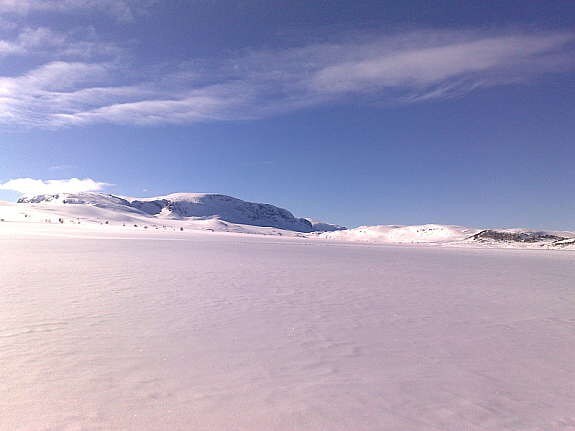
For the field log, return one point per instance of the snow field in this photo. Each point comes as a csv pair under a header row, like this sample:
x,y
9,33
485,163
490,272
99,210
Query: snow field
x,y
208,331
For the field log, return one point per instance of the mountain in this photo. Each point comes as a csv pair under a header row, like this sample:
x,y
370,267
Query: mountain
x,y
179,206
227,208
215,212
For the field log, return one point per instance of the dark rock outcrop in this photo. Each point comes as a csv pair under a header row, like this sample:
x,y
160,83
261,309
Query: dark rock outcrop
x,y
525,237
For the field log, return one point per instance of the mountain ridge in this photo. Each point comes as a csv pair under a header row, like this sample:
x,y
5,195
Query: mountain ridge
x,y
187,205
222,213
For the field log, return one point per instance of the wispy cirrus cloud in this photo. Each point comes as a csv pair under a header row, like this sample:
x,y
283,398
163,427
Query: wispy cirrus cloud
x,y
123,10
43,43
389,68
420,62
30,39
31,186
30,99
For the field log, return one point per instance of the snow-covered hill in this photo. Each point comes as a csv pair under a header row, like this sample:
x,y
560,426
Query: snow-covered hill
x,y
454,235
429,233
178,206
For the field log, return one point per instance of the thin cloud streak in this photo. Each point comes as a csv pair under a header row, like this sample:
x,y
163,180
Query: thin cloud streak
x,y
393,69
122,10
41,43
420,66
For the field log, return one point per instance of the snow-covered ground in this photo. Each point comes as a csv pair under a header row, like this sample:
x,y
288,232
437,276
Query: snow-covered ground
x,y
111,327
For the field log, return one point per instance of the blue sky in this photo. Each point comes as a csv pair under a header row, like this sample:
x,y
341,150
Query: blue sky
x,y
372,112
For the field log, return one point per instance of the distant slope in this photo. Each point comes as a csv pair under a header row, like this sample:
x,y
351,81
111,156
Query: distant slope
x,y
524,238
454,235
516,236
320,226
428,233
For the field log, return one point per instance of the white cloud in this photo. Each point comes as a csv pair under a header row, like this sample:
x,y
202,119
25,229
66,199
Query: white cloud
x,y
390,69
419,64
32,98
30,186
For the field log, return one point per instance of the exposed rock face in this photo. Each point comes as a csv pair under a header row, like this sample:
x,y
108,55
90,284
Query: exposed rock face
x,y
527,237
86,198
89,199
320,226
565,242
151,207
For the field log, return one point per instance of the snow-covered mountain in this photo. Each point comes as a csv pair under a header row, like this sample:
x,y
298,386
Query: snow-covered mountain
x,y
215,212
178,206
227,208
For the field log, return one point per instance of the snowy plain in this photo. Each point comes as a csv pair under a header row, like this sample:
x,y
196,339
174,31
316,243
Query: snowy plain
x,y
110,328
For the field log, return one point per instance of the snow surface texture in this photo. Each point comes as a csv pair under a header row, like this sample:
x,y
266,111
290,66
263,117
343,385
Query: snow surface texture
x,y
105,328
